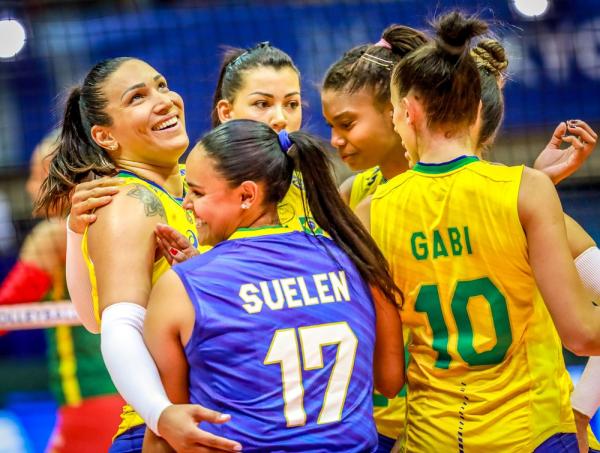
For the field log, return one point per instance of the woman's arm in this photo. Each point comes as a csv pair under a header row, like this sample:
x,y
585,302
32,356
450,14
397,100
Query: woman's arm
x,y
388,363
122,247
559,163
541,215
167,328
86,198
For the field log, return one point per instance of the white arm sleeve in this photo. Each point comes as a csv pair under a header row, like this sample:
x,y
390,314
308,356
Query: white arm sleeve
x,y
588,267
78,282
129,363
586,396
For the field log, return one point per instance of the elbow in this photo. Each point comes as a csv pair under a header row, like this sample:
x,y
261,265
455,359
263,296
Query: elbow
x,y
585,343
390,387
91,328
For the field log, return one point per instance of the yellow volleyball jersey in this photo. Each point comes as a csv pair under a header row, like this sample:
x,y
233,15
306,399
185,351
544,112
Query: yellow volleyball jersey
x,y
486,370
177,217
389,414
293,210
364,184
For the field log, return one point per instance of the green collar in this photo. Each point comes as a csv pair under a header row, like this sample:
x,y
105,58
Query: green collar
x,y
444,167
259,231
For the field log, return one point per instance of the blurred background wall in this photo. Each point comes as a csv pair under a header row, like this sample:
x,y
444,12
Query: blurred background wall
x,y
554,76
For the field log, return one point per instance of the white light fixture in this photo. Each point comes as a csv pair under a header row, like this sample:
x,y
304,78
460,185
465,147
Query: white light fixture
x,y
531,9
12,38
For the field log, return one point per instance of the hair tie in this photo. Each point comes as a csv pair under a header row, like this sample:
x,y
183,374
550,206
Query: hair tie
x,y
383,43
284,140
452,50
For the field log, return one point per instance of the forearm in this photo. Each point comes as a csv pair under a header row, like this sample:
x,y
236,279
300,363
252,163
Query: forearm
x,y
586,396
78,282
588,267
129,363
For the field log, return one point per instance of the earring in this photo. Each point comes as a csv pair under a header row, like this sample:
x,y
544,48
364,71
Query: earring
x,y
245,205
113,147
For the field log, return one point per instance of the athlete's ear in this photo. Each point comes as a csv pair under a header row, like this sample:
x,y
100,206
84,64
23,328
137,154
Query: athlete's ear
x,y
224,110
412,111
103,138
249,194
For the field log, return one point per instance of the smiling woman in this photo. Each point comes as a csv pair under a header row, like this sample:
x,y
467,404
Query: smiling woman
x,y
125,121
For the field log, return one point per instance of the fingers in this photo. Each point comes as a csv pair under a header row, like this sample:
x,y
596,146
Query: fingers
x,y
580,149
173,237
202,414
558,134
583,125
205,439
164,250
586,135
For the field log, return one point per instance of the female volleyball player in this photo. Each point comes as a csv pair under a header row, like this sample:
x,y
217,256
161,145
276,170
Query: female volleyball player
x,y
355,99
271,294
468,269
125,120
236,72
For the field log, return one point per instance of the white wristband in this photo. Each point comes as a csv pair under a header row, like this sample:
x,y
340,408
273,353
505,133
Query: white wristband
x,y
129,363
586,396
588,267
78,282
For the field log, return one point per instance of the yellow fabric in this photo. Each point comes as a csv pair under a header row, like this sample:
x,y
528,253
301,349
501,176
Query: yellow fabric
x,y
178,218
592,441
486,370
389,414
293,210
364,184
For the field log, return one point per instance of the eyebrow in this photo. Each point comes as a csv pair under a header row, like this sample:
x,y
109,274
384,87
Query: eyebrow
x,y
192,185
139,85
261,93
344,113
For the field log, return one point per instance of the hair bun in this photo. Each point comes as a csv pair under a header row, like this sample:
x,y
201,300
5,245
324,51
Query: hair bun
x,y
490,54
454,31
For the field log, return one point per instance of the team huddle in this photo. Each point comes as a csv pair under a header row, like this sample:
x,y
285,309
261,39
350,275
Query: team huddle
x,y
245,302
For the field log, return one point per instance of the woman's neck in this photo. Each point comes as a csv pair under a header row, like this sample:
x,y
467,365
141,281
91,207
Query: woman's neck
x,y
443,147
166,176
394,163
262,217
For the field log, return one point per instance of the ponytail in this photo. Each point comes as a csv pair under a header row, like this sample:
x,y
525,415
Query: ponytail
x,y
370,65
76,154
492,62
443,73
246,150
334,216
230,55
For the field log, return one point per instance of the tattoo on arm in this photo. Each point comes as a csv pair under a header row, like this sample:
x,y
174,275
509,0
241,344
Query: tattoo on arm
x,y
152,205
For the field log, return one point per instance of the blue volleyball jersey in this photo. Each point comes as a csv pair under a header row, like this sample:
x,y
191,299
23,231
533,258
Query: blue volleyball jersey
x,y
283,341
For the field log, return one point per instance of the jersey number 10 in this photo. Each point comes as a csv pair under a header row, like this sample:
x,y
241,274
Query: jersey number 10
x,y
285,352
428,301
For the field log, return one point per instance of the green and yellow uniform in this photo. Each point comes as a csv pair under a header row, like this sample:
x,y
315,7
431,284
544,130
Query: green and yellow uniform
x,y
389,414
176,217
486,370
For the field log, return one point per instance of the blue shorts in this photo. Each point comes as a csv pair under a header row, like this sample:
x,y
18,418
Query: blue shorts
x,y
130,441
385,443
559,443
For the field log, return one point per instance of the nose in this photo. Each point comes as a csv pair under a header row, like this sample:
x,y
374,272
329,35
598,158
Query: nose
x,y
337,141
164,102
278,120
187,202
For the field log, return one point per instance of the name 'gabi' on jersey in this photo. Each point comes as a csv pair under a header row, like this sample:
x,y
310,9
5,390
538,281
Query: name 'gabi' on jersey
x,y
295,292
